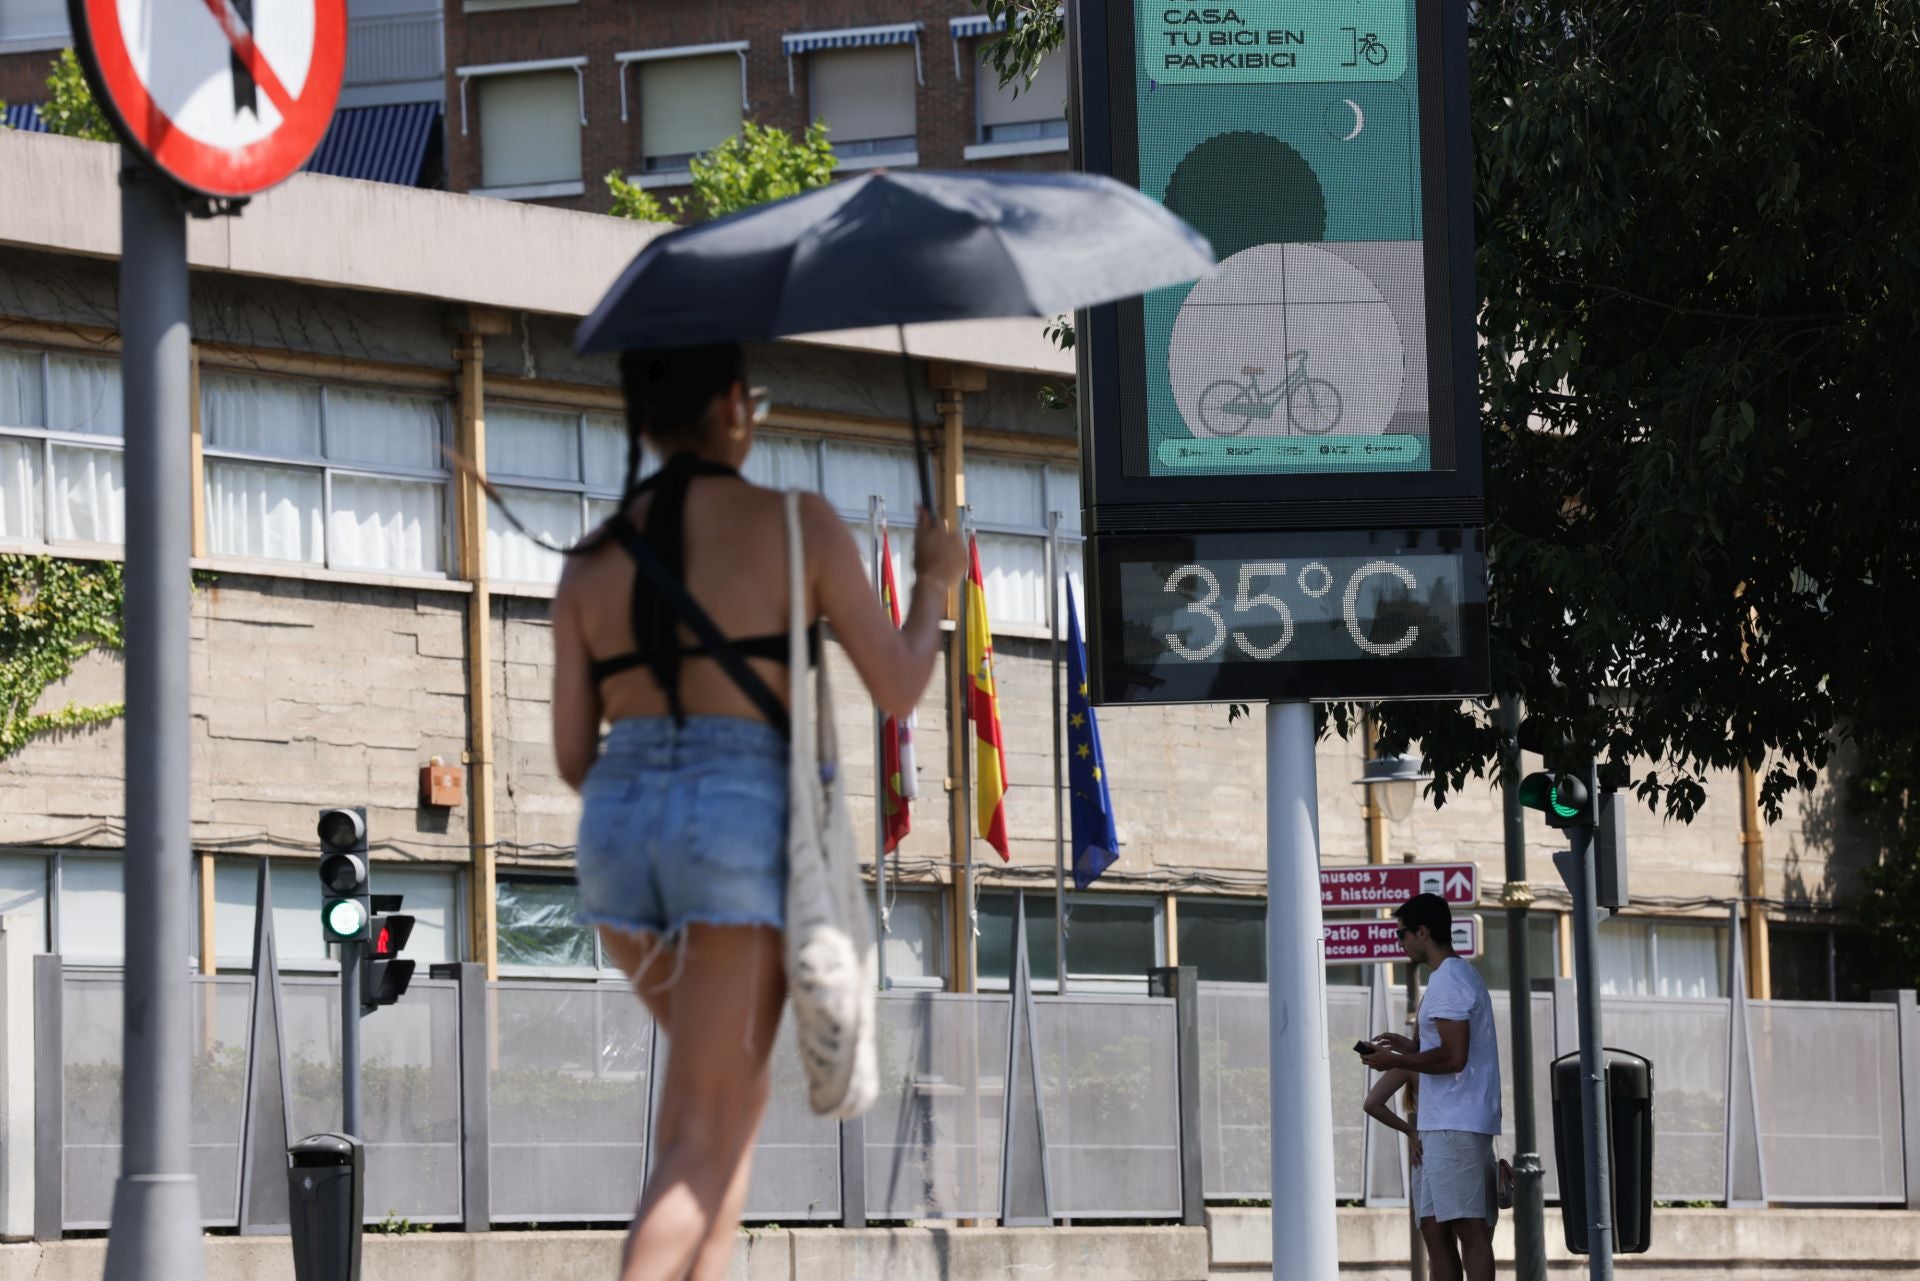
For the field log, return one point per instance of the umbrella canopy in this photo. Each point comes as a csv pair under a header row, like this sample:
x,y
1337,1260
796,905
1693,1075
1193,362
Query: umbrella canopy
x,y
896,249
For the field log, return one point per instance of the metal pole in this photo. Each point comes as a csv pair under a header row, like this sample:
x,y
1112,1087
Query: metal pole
x,y
350,1037
1301,1080
1529,1194
970,907
1059,760
156,1204
882,923
1593,1085
1416,1243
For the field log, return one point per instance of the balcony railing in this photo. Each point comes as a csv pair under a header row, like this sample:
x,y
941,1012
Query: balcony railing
x,y
395,47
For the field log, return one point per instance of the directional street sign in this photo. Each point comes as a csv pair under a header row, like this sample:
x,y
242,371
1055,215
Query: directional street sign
x,y
1392,885
226,97
1361,942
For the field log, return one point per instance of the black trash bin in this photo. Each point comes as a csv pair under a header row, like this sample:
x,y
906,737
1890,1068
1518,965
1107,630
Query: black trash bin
x,y
324,1189
1629,1109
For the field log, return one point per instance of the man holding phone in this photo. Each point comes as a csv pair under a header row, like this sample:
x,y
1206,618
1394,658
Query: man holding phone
x,y
1456,1195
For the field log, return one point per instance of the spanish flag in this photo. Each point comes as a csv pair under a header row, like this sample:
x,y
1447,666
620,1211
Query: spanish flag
x,y
897,771
983,708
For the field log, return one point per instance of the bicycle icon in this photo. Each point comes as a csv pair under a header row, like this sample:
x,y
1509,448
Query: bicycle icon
x,y
1365,45
1229,406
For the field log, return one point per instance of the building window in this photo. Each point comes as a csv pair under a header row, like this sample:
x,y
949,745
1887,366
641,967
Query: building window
x,y
23,894
561,473
916,938
536,925
91,901
688,105
530,117
27,26
851,474
1642,957
867,99
1112,941
1009,501
344,477
1225,939
1819,963
1543,948
1018,113
428,894
62,478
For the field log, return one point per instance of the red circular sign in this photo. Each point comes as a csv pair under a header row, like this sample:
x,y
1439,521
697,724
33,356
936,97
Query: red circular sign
x,y
226,97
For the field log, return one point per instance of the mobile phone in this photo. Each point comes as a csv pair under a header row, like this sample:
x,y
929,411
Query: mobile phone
x,y
1364,1047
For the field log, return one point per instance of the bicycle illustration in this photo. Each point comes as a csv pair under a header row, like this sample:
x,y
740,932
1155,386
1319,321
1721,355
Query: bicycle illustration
x,y
1365,45
1230,406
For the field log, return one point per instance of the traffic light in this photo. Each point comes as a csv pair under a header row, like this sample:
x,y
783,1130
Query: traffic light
x,y
346,908
1563,797
387,975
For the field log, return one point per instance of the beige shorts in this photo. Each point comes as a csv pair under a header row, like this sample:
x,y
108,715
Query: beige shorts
x,y
1457,1177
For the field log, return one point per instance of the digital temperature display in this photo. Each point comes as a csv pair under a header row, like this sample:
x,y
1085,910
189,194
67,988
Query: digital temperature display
x,y
1348,614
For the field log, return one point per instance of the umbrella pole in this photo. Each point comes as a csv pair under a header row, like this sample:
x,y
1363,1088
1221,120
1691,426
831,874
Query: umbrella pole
x,y
920,467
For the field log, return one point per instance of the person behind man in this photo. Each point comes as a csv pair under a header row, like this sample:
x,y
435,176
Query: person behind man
x,y
1456,1196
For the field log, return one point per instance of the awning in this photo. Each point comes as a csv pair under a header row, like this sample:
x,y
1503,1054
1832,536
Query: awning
x,y
853,38
378,144
25,116
978,24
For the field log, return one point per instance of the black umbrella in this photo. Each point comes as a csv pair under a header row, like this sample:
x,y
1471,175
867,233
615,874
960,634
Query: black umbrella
x,y
903,248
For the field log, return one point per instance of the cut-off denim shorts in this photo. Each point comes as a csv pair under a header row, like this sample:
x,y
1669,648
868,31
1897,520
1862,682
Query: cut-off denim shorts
x,y
685,825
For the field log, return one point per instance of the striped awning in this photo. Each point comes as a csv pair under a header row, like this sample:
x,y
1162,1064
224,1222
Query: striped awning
x,y
850,37
378,144
25,116
971,27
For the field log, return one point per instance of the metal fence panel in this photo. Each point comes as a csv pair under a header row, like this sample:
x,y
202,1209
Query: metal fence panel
x,y
1349,1019
91,1058
796,1163
571,1067
933,1134
1686,1041
1827,1079
1233,1093
1110,1091
410,1091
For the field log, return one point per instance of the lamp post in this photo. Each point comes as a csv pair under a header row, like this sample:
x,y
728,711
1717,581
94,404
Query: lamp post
x,y
1390,785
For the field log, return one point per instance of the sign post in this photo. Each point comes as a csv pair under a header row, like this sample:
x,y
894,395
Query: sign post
x,y
1281,462
211,107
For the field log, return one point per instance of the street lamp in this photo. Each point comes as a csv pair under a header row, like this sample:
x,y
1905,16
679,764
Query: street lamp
x,y
1391,783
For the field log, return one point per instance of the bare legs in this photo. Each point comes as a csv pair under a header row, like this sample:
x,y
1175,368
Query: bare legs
x,y
1458,1250
1443,1261
720,1011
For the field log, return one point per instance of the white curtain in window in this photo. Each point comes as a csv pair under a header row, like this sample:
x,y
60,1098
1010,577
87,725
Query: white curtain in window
x,y
1063,496
529,128
260,416
688,105
1690,960
20,490
782,462
1015,570
430,900
914,942
83,395
23,892
21,404
383,429
900,543
1626,958
234,905
270,512
1003,492
534,443
599,510
89,493
863,93
606,453
511,555
386,524
92,906
854,472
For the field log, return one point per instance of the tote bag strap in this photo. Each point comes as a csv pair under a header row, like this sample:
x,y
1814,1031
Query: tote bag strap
x,y
812,722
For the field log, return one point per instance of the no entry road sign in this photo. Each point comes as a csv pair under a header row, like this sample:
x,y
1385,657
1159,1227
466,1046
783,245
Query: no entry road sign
x,y
1390,886
1361,942
225,97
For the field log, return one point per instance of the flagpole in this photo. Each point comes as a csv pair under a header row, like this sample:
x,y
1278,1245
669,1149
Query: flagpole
x,y
970,940
1059,761
875,506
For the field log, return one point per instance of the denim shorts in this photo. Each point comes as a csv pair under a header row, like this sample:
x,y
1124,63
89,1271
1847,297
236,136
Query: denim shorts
x,y
685,825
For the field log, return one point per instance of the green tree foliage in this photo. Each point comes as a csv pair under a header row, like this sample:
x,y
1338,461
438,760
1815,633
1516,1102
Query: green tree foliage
x,y
70,108
756,165
1031,29
52,614
1699,275
1885,799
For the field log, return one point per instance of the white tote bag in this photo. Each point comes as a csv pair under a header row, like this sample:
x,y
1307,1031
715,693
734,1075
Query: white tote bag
x,y
832,967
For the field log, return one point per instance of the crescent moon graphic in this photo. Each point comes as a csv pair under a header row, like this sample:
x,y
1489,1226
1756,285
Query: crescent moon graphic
x,y
1359,120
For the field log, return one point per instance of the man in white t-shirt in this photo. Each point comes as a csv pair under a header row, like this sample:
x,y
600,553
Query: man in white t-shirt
x,y
1455,1186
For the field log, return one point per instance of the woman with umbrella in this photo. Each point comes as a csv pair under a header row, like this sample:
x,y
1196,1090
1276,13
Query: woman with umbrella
x,y
682,848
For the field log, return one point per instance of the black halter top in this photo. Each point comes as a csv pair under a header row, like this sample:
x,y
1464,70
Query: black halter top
x,y
656,628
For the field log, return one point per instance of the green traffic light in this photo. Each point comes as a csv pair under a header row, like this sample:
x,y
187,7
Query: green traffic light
x,y
1560,807
1537,791
345,918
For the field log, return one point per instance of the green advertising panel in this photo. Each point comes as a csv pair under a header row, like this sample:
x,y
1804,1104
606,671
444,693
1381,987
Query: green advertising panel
x,y
1288,133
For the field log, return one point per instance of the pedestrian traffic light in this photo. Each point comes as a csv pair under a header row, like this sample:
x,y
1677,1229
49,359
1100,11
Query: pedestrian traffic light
x,y
1564,798
387,976
345,906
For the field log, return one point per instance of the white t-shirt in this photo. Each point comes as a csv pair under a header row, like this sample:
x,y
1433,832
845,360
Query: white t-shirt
x,y
1470,1098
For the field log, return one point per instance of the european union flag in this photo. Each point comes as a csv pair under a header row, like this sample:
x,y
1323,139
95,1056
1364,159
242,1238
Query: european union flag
x,y
1095,842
